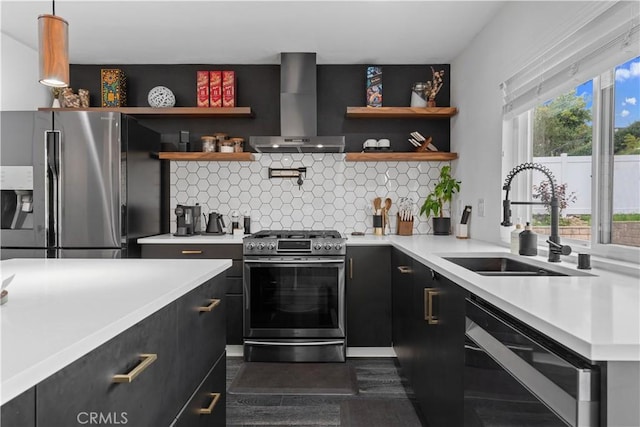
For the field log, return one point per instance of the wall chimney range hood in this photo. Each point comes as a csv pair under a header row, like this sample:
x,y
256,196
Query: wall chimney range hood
x,y
298,111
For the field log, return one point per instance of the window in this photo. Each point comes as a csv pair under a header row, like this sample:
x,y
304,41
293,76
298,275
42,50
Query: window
x,y
625,219
574,108
589,138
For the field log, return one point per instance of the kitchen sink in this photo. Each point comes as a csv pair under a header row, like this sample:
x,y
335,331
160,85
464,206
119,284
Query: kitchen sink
x,y
504,266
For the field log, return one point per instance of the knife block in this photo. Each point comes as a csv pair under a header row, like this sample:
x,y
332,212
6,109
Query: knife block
x,y
405,228
463,231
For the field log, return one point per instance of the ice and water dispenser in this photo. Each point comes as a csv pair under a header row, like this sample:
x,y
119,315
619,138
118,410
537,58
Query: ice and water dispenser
x,y
16,184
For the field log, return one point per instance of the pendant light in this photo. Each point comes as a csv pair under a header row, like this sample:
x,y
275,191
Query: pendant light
x,y
53,46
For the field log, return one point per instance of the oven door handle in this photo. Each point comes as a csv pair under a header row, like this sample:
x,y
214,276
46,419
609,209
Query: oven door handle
x,y
306,343
294,261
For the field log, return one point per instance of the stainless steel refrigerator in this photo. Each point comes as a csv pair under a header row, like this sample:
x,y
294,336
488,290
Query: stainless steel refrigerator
x,y
77,184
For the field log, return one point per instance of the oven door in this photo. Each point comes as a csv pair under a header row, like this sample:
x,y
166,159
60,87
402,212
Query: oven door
x,y
294,297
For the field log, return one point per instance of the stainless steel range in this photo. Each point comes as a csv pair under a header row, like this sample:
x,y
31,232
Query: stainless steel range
x,y
294,296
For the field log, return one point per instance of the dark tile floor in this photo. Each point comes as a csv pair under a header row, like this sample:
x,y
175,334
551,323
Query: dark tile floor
x,y
377,379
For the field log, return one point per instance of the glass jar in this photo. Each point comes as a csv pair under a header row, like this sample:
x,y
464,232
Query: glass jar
x,y
220,138
238,144
226,146
208,144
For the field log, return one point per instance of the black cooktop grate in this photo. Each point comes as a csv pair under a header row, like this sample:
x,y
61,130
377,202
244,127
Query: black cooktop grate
x,y
297,234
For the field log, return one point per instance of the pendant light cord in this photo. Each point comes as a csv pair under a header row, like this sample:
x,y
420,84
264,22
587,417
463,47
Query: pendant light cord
x,y
53,6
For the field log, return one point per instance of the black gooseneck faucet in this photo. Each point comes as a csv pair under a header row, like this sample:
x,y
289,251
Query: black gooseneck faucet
x,y
555,248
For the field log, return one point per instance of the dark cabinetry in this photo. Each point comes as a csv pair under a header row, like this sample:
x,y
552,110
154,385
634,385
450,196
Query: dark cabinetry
x,y
145,376
207,406
147,352
20,411
428,334
368,289
233,275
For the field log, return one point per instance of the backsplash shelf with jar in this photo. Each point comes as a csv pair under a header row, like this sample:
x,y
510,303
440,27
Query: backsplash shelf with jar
x,y
401,112
433,156
201,156
150,112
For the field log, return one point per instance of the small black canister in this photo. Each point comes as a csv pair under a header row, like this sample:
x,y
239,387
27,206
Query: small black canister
x,y
247,224
528,242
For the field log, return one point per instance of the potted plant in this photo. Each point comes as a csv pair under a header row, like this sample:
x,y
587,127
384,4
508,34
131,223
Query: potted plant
x,y
444,190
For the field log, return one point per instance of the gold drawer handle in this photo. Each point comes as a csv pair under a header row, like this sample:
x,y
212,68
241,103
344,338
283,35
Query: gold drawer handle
x,y
209,409
147,360
404,269
191,252
213,304
431,318
350,268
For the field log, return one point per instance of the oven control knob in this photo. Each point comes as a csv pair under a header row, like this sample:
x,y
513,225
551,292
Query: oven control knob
x,y
318,246
250,246
271,246
260,246
328,246
338,246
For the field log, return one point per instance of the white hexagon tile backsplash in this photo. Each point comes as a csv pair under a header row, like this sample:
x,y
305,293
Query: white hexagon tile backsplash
x,y
335,194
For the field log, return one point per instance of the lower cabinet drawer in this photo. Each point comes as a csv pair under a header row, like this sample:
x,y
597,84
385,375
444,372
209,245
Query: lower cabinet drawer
x,y
207,407
88,392
201,333
232,251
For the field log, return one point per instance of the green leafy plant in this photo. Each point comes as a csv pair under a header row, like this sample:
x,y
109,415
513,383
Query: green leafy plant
x,y
444,190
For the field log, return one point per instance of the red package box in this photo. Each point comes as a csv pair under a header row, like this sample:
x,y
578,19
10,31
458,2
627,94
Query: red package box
x,y
215,88
228,89
202,81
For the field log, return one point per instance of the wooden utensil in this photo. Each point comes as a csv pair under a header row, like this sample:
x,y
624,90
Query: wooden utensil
x,y
377,204
387,208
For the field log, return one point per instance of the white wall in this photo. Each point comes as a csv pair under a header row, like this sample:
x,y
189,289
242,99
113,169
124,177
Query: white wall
x,y
518,33
19,87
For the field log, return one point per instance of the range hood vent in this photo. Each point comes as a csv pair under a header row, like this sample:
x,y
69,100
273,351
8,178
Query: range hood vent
x,y
298,111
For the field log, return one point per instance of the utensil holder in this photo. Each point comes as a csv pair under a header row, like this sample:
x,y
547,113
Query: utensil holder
x,y
377,225
405,228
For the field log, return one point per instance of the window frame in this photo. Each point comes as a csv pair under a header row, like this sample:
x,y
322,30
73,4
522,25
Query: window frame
x,y
519,132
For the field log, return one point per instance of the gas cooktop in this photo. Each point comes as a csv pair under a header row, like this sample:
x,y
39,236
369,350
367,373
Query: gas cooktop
x,y
297,234
295,242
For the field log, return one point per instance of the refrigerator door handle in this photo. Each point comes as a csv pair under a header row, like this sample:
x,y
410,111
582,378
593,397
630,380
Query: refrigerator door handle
x,y
52,199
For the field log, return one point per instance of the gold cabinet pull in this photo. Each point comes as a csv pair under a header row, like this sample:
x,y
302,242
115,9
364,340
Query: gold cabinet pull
x,y
213,303
404,269
429,316
191,252
147,360
209,409
350,268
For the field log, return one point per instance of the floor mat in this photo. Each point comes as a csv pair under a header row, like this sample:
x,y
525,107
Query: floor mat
x,y
295,378
378,413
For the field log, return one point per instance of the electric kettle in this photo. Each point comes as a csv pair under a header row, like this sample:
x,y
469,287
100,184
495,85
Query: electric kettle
x,y
215,225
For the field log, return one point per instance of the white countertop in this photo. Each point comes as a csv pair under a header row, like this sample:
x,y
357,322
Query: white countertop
x,y
61,309
598,317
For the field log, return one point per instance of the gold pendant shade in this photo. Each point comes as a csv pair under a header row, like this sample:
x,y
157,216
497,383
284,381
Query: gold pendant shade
x,y
53,40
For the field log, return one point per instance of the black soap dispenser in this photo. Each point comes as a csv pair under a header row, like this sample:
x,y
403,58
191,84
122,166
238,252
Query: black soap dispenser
x,y
528,241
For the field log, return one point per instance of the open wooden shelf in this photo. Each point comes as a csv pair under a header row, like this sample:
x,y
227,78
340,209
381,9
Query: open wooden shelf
x,y
432,156
401,112
173,111
220,157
